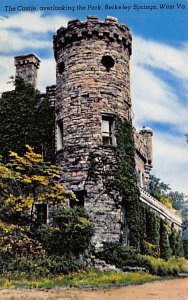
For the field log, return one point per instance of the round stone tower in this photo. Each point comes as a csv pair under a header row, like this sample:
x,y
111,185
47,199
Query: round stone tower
x,y
93,87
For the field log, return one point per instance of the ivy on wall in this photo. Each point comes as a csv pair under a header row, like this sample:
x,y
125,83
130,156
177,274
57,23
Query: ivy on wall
x,y
176,243
147,231
26,118
125,179
165,250
153,227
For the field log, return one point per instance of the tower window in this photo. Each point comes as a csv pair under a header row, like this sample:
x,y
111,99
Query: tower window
x,y
108,137
108,62
61,67
59,135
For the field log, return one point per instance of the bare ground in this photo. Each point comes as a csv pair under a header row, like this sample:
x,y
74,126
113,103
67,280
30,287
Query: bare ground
x,y
176,289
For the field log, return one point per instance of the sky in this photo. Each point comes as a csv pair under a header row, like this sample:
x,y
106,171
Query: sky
x,y
159,64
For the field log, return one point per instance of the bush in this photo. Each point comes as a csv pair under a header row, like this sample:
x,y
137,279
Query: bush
x,y
171,267
70,232
40,267
121,256
150,249
15,243
165,250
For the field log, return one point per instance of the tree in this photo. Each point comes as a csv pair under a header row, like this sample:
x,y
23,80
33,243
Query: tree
x,y
163,193
165,250
71,228
26,118
157,188
27,247
177,199
26,180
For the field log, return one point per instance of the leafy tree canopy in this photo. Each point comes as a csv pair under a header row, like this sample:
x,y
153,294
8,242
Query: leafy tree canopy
x,y
26,180
163,193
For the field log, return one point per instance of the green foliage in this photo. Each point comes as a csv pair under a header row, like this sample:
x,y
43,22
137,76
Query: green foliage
x,y
79,279
42,251
28,252
26,118
150,232
25,180
125,179
162,192
185,248
26,247
122,256
98,278
158,266
40,267
150,249
157,238
14,242
157,188
177,199
70,232
176,243
165,250
153,227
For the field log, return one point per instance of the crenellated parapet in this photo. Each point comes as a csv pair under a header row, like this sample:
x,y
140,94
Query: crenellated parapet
x,y
93,28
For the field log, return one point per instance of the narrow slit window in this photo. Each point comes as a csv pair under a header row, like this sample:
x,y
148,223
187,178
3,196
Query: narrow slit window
x,y
61,67
59,136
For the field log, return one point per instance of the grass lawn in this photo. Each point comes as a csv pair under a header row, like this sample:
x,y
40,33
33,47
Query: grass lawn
x,y
83,279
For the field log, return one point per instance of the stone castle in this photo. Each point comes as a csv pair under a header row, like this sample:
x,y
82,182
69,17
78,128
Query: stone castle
x,y
92,89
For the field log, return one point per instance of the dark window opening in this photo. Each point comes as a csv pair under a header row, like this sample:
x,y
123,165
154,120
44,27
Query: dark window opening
x,y
80,196
107,61
61,67
41,213
107,130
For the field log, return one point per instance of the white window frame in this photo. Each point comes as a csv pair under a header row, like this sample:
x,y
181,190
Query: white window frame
x,y
108,135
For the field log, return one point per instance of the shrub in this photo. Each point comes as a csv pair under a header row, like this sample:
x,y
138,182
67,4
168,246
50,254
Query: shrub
x,y
14,242
40,267
165,250
121,256
70,232
158,266
150,249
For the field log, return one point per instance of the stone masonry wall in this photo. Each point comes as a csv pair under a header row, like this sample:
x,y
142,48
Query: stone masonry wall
x,y
87,90
27,67
143,155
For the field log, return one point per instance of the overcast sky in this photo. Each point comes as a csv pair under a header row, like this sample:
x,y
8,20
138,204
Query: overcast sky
x,y
159,65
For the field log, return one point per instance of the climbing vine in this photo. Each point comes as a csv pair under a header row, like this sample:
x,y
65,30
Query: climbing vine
x,y
150,232
26,118
125,179
146,230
